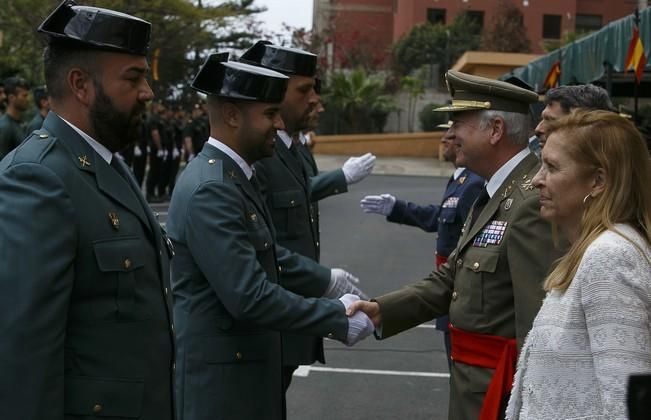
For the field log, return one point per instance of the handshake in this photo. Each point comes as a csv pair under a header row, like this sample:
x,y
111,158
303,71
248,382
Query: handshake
x,y
363,316
360,325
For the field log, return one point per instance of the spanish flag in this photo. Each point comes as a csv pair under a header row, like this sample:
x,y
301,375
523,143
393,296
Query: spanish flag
x,y
554,76
635,58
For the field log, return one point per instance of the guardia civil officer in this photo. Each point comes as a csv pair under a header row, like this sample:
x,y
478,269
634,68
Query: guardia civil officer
x,y
85,308
491,285
234,288
290,182
446,219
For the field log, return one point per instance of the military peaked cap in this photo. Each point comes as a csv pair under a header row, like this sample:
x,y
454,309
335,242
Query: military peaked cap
x,y
96,28
476,93
232,79
289,61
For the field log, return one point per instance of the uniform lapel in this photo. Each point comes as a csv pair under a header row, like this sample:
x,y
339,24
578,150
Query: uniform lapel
x,y
290,161
235,174
86,159
502,193
307,155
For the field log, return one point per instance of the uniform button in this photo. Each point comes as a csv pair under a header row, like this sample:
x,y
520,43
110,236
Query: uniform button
x,y
292,202
475,266
172,327
211,161
459,262
312,219
330,335
166,291
455,295
160,252
317,243
280,268
173,366
266,245
238,355
97,408
127,263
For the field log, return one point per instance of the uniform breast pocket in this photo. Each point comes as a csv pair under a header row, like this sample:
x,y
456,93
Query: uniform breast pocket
x,y
479,267
121,260
288,208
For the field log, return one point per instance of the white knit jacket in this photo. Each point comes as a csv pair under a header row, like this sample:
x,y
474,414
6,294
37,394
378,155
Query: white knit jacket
x,y
585,342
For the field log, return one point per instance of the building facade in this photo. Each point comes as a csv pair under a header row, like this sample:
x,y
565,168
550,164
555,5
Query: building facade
x,y
366,29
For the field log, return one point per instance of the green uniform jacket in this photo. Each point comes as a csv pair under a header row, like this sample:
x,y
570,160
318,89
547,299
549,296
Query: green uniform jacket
x,y
494,289
85,308
291,187
229,306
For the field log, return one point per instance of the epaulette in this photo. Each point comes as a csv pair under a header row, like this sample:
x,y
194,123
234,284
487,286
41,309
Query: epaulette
x,y
34,147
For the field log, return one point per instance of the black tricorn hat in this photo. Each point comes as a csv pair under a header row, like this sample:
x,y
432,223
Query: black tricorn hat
x,y
96,28
235,80
289,61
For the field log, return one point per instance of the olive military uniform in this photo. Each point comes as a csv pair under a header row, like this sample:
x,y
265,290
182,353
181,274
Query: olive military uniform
x,y
492,283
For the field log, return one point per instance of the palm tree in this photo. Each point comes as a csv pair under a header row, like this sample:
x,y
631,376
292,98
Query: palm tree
x,y
359,99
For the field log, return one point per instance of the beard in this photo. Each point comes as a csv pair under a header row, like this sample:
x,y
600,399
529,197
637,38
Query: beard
x,y
113,128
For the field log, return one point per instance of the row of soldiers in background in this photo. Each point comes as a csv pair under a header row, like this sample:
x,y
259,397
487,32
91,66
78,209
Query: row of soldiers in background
x,y
169,135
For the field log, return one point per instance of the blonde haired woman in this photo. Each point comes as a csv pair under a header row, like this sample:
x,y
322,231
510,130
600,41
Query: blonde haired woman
x,y
594,328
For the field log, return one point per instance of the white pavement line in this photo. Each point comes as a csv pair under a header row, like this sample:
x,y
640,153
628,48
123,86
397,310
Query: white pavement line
x,y
302,371
305,372
430,326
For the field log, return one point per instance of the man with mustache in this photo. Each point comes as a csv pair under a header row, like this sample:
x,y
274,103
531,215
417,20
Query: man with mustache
x,y
85,308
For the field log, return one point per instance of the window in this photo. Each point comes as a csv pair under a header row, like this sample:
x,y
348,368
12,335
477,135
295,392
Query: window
x,y
477,17
552,26
588,23
436,16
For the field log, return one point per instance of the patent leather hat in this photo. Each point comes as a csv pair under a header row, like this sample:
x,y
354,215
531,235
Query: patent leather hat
x,y
236,80
285,60
96,28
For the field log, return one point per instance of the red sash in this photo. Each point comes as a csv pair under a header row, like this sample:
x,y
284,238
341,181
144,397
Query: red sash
x,y
440,260
487,351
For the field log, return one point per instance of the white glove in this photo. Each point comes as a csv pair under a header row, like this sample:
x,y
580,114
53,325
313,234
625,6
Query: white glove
x,y
360,326
160,153
357,168
342,282
137,152
175,153
380,204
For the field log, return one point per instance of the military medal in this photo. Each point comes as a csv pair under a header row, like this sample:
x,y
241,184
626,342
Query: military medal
x,y
254,217
462,179
115,220
450,203
491,234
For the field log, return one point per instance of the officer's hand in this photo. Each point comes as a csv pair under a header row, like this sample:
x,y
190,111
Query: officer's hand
x,y
342,282
357,168
359,325
380,204
137,152
160,153
371,309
